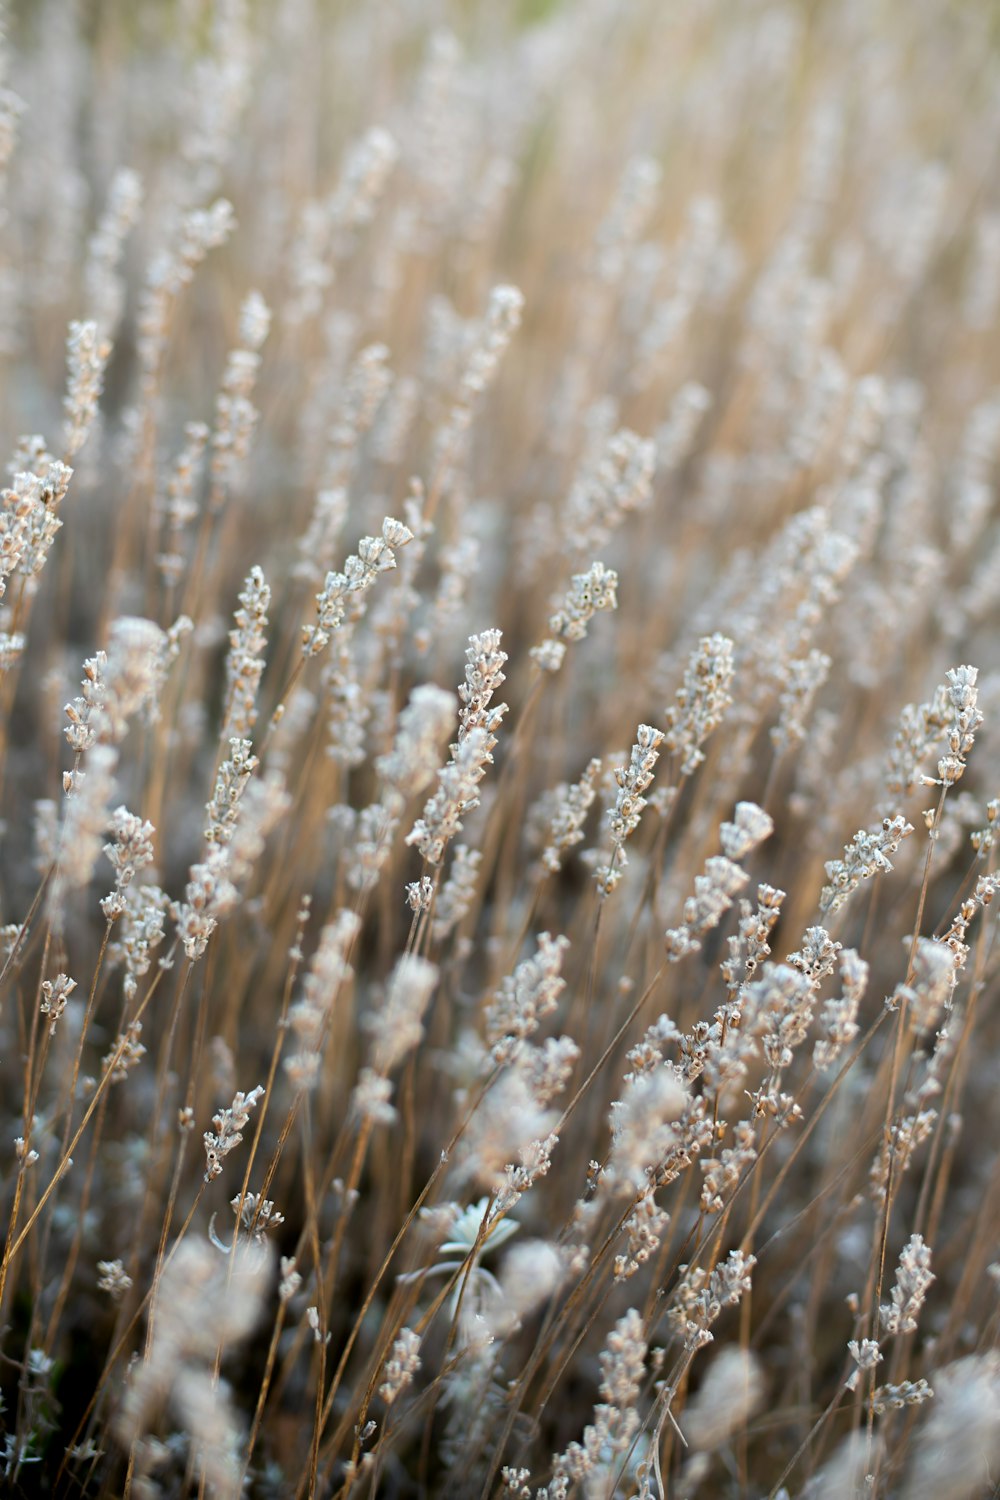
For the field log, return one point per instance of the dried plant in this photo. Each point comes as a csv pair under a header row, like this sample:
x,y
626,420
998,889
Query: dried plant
x,y
499,686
